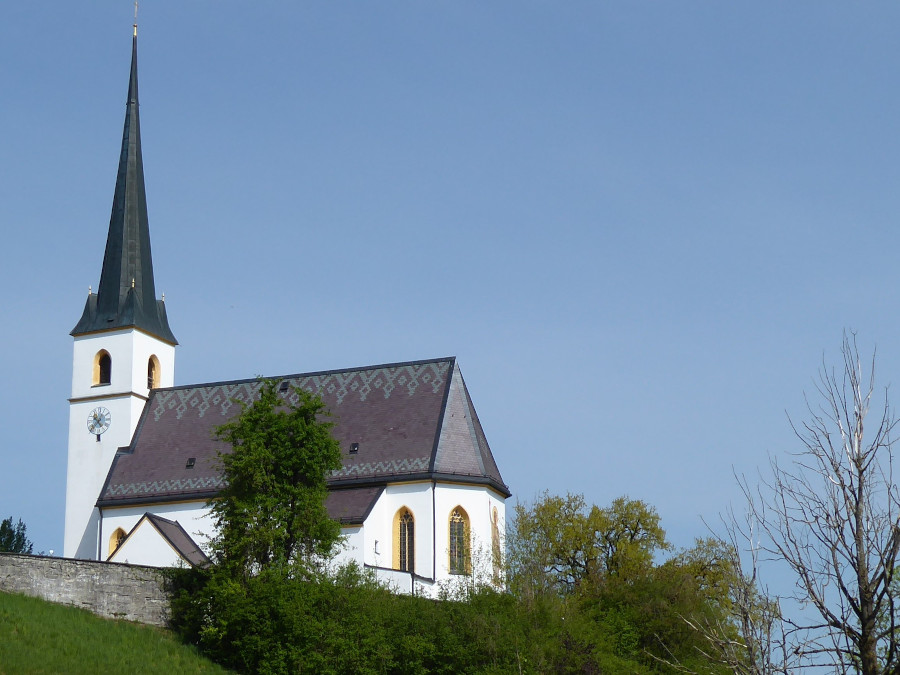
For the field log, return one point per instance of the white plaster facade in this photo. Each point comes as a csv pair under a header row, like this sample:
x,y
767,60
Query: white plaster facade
x,y
145,546
371,545
431,504
194,517
90,456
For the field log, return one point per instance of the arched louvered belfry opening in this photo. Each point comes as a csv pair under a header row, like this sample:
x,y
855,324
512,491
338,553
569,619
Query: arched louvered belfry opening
x,y
102,368
152,372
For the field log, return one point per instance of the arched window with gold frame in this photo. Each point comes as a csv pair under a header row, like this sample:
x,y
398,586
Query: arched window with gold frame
x,y
102,367
152,372
115,539
459,549
404,541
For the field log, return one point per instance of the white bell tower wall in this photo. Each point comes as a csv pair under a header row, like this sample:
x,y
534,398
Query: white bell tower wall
x,y
130,352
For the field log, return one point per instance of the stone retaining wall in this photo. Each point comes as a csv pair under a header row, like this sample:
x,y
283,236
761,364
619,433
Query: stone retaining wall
x,y
111,590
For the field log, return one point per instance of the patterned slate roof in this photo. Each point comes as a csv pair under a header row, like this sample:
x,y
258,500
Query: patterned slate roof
x,y
411,421
350,506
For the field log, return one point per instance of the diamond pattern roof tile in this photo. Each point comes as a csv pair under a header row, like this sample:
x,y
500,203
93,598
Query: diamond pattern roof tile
x,y
396,414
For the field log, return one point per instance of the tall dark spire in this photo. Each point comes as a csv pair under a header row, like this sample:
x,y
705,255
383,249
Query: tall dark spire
x,y
126,296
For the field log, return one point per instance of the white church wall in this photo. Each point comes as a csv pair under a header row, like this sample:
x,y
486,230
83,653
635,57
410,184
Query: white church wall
x,y
194,517
352,547
376,543
432,526
124,397
371,544
401,582
130,351
380,526
88,465
479,503
146,346
146,546
117,343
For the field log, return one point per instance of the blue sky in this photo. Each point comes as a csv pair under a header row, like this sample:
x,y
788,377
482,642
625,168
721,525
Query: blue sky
x,y
641,226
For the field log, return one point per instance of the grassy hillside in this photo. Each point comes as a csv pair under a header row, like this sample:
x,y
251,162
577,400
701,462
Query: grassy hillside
x,y
40,637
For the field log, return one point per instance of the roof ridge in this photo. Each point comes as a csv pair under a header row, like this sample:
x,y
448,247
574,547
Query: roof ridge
x,y
155,516
316,373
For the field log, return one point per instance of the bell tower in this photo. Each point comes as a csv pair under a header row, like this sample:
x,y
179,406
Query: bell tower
x,y
123,344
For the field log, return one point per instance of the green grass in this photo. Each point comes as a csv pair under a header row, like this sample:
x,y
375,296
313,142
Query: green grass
x,y
40,637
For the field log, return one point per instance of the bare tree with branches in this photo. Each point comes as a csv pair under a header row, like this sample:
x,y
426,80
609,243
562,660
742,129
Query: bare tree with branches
x,y
750,638
761,641
833,516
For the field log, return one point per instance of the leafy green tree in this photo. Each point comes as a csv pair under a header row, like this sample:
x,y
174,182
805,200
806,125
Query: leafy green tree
x,y
271,513
345,623
12,537
602,565
559,543
254,608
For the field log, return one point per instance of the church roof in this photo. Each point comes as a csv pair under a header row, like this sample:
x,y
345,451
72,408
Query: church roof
x,y
395,423
351,506
126,296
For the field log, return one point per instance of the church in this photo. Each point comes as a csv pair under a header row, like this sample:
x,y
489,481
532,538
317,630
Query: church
x,y
419,497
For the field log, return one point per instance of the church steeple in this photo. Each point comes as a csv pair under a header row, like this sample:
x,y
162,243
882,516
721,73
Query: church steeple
x,y
126,296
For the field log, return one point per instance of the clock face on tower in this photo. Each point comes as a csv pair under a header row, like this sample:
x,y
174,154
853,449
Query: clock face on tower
x,y
98,421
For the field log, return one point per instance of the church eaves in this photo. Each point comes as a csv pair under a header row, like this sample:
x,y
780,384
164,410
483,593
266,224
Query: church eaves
x,y
126,296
